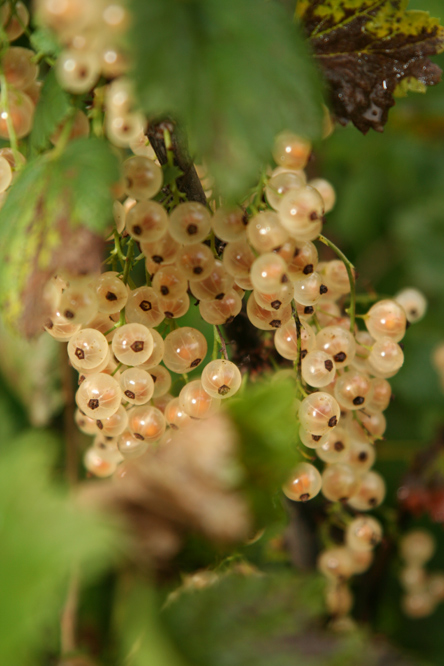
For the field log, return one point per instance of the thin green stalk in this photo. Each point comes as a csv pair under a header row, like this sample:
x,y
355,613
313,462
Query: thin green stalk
x,y
128,261
351,277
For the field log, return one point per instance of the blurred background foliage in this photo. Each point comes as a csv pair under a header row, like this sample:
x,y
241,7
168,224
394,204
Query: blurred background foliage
x,y
389,220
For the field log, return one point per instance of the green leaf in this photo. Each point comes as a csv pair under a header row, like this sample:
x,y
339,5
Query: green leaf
x,y
235,73
54,207
44,537
53,106
366,49
44,41
258,620
265,416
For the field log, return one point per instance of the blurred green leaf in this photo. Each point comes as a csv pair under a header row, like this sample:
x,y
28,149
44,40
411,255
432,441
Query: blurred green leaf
x,y
235,73
44,41
47,222
43,535
52,107
259,620
265,417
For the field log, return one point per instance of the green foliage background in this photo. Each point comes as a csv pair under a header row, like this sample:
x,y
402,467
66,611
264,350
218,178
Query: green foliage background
x,y
389,220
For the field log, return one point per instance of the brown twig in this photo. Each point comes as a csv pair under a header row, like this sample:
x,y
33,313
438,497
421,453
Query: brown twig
x,y
189,183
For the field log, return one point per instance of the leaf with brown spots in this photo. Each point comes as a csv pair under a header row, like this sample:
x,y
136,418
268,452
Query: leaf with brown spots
x,y
51,221
369,48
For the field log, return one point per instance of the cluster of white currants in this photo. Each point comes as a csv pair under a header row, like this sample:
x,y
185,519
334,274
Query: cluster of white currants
x,y
92,35
20,89
422,590
339,563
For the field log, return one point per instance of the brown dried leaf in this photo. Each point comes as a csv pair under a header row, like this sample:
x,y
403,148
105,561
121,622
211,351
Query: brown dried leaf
x,y
366,49
189,484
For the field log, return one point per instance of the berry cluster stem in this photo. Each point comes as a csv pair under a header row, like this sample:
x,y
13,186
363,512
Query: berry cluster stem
x,y
351,277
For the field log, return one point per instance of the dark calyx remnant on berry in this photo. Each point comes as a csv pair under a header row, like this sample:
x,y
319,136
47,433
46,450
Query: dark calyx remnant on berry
x,y
340,357
323,289
137,230
154,378
328,365
304,497
333,421
93,403
304,353
145,306
80,353
138,346
362,456
223,390
157,258
164,290
192,229
129,394
284,279
276,323
359,400
338,446
111,296
219,297
316,438
276,304
68,314
169,315
195,363
308,269
308,310
197,270
99,424
139,436
313,216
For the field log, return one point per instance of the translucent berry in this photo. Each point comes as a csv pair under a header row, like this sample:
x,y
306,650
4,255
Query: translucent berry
x,y
137,386
190,222
132,344
163,251
361,455
223,310
130,446
385,358
229,224
196,402
215,286
114,425
88,349
196,261
162,380
318,412
143,307
99,396
173,308
147,221
363,533
280,184
143,177
414,304
300,212
308,289
265,232
318,368
84,423
158,350
146,423
336,563
304,260
268,272
417,547
339,343
185,349
112,294
175,415
77,71
291,150
370,494
326,190
338,599
286,340
221,379
353,390
267,320
79,303
312,441
304,483
386,319
339,482
336,448
238,259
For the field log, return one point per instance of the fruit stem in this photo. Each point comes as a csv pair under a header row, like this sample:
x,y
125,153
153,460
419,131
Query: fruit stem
x,y
219,340
128,261
351,277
